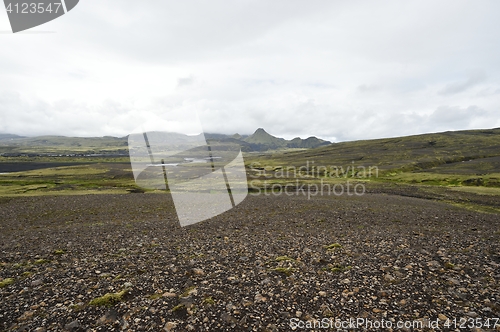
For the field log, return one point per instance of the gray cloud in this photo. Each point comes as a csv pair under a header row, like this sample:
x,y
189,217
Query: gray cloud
x,y
368,88
462,86
338,70
454,116
185,81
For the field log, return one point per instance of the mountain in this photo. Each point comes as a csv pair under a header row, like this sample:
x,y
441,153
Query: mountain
x,y
266,141
11,145
261,137
9,136
63,145
261,140
308,143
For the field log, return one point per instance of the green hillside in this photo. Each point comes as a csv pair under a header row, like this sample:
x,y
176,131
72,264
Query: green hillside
x,y
447,158
262,137
64,145
264,141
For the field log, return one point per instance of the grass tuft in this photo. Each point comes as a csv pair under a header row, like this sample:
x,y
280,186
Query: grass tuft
x,y
6,282
178,307
209,300
333,246
109,299
284,270
283,258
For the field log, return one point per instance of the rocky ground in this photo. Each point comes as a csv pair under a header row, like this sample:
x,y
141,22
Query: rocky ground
x,y
121,262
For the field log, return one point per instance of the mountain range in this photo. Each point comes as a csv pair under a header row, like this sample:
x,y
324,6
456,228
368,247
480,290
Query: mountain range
x,y
260,140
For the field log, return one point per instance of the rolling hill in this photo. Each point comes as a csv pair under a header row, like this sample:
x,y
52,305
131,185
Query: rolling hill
x,y
259,141
448,157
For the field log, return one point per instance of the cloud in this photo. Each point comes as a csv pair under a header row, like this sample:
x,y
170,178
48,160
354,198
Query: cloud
x,y
368,88
450,117
333,69
457,87
185,81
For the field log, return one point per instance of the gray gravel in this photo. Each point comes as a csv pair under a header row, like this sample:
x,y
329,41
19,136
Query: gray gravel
x,y
253,268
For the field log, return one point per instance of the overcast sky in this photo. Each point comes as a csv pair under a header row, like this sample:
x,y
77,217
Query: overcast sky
x,y
339,70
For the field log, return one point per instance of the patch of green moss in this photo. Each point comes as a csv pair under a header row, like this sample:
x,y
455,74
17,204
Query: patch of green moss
x,y
6,282
340,268
109,299
20,265
41,261
285,270
188,291
154,296
333,246
178,307
59,252
449,265
118,277
76,307
209,300
283,258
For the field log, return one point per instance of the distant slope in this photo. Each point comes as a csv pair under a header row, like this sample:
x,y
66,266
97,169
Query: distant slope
x,y
9,136
308,143
267,141
426,152
63,145
259,141
261,137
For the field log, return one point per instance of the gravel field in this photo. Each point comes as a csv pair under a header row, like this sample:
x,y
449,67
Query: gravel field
x,y
122,263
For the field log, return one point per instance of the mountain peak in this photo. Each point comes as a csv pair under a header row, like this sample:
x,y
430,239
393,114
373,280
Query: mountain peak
x,y
260,136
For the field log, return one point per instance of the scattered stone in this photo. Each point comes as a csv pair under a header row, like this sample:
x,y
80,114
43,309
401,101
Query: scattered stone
x,y
228,318
72,326
26,316
36,282
442,317
259,298
110,317
388,277
234,294
471,314
170,326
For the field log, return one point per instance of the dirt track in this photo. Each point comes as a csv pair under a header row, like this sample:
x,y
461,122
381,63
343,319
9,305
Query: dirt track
x,y
255,267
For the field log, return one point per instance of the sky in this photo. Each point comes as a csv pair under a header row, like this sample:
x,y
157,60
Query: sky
x,y
338,70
